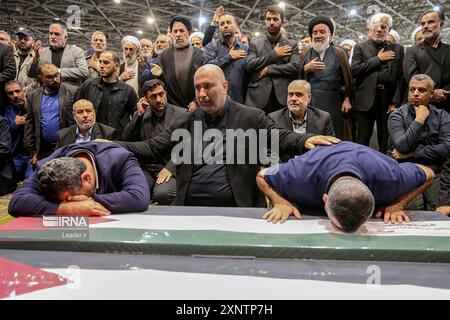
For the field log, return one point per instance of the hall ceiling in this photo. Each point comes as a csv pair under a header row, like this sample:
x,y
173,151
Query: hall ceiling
x,y
128,17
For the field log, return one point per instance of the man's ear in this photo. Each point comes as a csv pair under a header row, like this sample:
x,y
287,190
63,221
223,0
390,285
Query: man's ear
x,y
85,176
325,198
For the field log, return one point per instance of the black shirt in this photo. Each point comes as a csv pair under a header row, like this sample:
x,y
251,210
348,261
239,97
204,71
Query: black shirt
x,y
210,184
57,56
104,107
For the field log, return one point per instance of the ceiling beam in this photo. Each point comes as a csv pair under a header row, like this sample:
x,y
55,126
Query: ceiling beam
x,y
105,17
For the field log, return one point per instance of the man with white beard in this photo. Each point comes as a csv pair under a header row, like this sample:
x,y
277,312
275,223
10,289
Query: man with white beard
x,y
146,50
131,69
327,70
152,69
377,69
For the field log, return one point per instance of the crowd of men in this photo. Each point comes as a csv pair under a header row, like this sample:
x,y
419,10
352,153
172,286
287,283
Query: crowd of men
x,y
302,93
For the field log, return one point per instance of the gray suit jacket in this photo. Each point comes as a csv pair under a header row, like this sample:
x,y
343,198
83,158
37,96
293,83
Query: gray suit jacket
x,y
68,135
281,71
317,122
74,68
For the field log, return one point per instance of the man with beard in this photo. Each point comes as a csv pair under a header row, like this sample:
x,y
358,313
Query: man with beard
x,y
327,70
86,128
272,63
131,69
229,54
24,55
179,63
431,57
146,53
299,116
48,110
15,115
152,69
204,179
377,69
153,116
69,59
114,100
98,43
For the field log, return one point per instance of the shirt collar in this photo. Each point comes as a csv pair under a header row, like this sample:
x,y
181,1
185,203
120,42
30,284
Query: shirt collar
x,y
221,115
88,135
296,121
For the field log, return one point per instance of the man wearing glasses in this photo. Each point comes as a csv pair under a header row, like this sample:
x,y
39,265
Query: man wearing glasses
x,y
49,110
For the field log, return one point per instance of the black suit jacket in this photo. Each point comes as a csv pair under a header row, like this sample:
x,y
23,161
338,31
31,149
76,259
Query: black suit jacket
x,y
68,135
281,71
317,122
32,131
242,176
7,171
140,129
418,60
365,69
7,72
174,93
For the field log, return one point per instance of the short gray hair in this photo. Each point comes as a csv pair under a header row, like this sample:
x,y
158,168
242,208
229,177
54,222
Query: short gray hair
x,y
60,175
351,202
378,16
423,77
301,83
62,26
82,102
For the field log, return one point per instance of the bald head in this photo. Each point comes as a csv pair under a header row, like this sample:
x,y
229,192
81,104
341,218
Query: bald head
x,y
211,89
212,69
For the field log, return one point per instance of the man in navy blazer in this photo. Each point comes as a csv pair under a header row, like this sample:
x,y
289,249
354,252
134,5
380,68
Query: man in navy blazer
x,y
94,178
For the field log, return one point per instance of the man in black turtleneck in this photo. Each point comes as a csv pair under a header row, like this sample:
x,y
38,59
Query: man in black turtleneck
x,y
179,63
431,57
68,58
377,69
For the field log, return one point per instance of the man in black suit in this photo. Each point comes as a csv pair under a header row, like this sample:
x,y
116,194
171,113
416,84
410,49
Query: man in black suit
x,y
377,69
153,116
431,57
7,72
7,172
179,63
85,129
203,177
272,63
299,116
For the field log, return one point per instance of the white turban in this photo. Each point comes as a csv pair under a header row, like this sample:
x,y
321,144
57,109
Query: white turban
x,y
349,42
197,34
133,40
